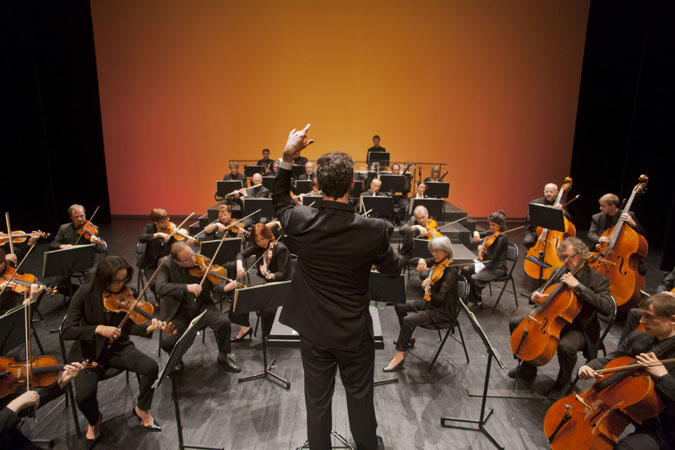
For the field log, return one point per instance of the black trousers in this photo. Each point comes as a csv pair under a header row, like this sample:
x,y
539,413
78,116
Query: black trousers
x,y
214,319
478,281
356,371
640,441
571,343
266,319
410,315
126,358
529,239
632,321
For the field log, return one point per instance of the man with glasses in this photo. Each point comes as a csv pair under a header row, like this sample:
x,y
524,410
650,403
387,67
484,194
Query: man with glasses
x,y
183,299
592,291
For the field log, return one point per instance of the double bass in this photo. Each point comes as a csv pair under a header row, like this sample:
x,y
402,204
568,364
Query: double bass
x,y
619,258
546,248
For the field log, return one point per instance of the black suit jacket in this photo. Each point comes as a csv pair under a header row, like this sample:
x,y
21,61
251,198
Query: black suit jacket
x,y
239,176
600,221
336,247
155,248
68,235
541,201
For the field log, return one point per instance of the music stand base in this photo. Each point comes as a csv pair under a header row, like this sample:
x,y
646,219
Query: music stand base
x,y
179,426
480,426
383,382
267,372
345,443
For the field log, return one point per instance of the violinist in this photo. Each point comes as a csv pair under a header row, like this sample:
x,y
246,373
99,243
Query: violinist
x,y
183,298
21,248
15,406
495,253
234,173
272,264
441,307
658,319
592,290
549,199
10,299
156,238
100,338
265,162
215,229
417,226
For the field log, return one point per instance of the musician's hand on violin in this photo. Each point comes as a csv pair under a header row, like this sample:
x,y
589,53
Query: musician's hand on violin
x,y
34,237
194,288
70,371
220,227
421,265
569,280
296,142
26,400
425,283
108,332
263,271
10,258
537,297
628,219
240,270
35,290
656,369
476,236
230,286
586,373
163,236
423,231
94,239
156,325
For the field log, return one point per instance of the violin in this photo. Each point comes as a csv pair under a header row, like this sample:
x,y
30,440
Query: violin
x,y
435,274
236,227
139,311
217,274
488,242
20,282
44,370
596,417
621,255
19,237
432,229
179,233
88,230
546,248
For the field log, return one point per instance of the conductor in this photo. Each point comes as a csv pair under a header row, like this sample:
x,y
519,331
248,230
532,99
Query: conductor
x,y
328,303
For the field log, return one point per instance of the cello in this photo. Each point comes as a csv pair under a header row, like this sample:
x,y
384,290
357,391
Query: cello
x,y
622,254
546,248
596,417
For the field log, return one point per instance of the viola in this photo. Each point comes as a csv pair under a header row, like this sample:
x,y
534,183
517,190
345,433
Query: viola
x,y
619,258
536,338
546,248
21,282
435,274
44,370
19,237
217,274
596,417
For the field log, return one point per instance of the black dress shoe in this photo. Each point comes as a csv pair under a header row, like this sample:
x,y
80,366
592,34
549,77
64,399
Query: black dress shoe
x,y
249,333
524,371
154,426
398,366
557,392
228,365
380,443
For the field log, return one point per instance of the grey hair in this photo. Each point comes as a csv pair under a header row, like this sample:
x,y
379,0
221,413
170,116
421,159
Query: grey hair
x,y
442,243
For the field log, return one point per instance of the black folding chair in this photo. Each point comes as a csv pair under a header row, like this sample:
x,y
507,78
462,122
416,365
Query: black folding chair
x,y
511,256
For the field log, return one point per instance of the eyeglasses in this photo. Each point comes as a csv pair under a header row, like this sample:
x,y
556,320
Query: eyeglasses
x,y
123,280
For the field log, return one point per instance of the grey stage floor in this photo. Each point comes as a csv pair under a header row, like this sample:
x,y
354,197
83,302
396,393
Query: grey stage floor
x,y
219,411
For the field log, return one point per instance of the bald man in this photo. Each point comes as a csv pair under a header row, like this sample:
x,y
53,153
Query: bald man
x,y
550,195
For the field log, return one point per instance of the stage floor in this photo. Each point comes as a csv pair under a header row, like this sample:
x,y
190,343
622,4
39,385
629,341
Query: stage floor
x,y
217,410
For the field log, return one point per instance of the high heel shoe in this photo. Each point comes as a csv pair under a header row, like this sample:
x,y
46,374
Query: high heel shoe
x,y
249,333
398,366
154,426
91,443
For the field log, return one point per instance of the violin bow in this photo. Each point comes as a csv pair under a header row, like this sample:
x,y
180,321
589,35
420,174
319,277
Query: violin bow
x,y
16,271
263,255
85,224
9,232
176,228
29,347
571,200
450,223
633,366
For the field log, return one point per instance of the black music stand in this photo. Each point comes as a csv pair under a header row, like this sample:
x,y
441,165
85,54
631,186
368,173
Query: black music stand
x,y
357,189
433,205
182,345
297,170
67,261
546,217
249,171
260,298
392,183
302,186
379,157
252,205
492,353
312,200
438,189
268,181
383,288
421,248
382,206
224,187
228,251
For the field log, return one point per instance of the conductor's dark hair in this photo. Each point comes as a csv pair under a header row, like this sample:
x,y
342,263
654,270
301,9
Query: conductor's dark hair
x,y
106,270
335,173
498,217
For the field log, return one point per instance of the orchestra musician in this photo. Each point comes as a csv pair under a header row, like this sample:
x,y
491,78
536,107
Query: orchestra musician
x,y
668,282
314,190
257,190
328,302
441,308
275,167
416,227
435,174
550,195
592,290
10,299
21,248
309,171
401,198
419,190
375,148
234,173
495,254
658,319
156,238
100,338
182,299
215,229
13,407
374,190
276,267
265,162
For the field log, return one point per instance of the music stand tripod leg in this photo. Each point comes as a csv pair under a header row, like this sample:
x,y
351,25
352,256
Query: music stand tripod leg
x,y
266,370
179,425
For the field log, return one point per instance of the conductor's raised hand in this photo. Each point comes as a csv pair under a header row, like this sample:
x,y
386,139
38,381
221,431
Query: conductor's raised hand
x,y
297,141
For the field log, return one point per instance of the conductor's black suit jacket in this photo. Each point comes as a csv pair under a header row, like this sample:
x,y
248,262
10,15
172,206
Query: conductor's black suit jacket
x,y
336,247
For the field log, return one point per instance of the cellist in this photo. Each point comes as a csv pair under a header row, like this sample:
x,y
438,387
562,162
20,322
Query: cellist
x,y
550,195
658,318
592,290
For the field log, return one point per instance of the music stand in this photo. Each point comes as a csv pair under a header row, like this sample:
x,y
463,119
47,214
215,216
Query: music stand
x,y
438,189
297,170
313,200
182,345
433,205
383,206
260,298
228,251
492,353
12,329
546,217
66,261
268,181
265,206
379,157
249,171
357,189
302,186
383,288
224,187
392,183
421,248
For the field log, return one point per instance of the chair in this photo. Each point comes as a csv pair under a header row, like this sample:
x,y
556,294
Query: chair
x,y
70,396
610,322
449,327
142,276
512,254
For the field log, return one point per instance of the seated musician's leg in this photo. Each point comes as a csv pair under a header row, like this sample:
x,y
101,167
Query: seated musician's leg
x,y
639,441
632,321
220,324
568,348
408,325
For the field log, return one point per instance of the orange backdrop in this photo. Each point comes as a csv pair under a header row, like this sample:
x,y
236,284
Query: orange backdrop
x,y
490,88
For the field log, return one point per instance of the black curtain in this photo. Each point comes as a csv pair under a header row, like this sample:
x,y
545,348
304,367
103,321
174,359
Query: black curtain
x,y
626,116
53,143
